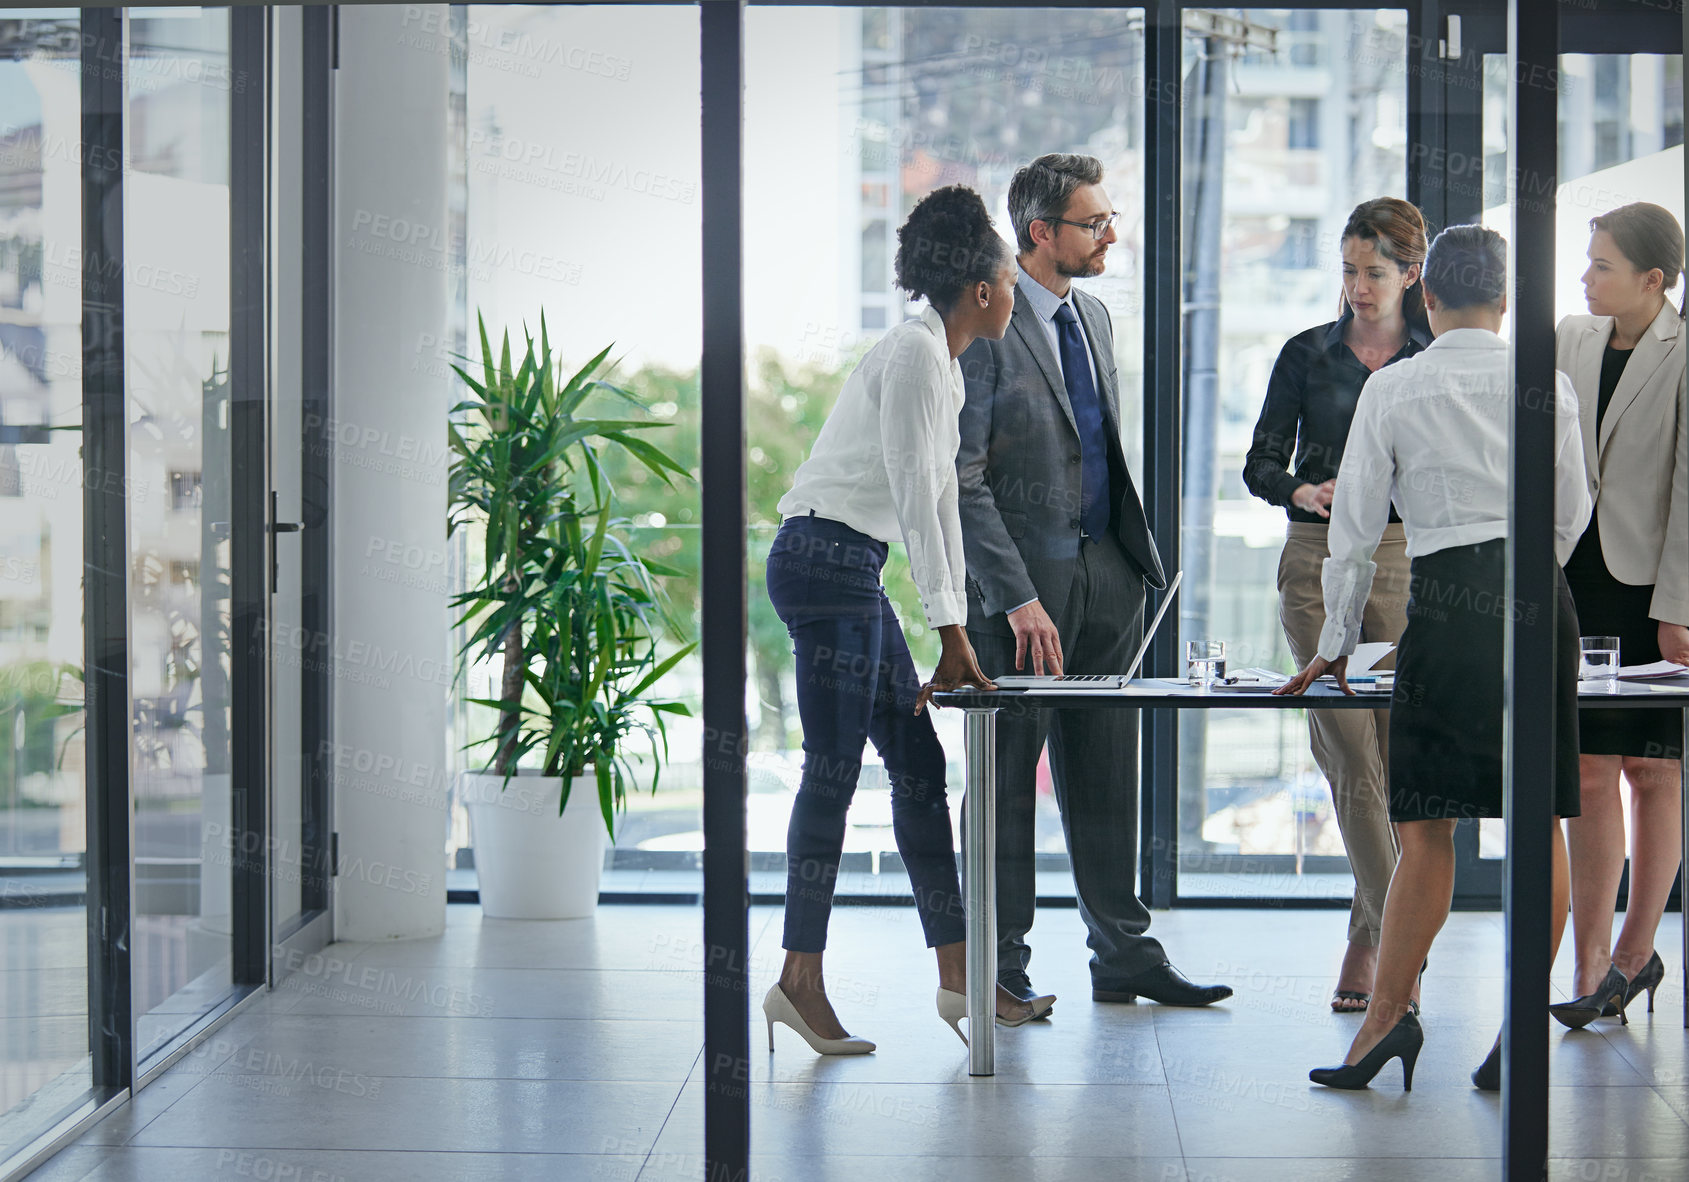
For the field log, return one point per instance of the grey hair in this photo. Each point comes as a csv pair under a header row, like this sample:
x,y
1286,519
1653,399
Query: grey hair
x,y
1041,190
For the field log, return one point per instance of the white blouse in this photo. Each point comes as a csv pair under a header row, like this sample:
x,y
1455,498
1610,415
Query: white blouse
x,y
1432,433
885,460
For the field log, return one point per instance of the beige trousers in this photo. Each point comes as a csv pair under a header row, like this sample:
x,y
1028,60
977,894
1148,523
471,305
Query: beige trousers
x,y
1352,747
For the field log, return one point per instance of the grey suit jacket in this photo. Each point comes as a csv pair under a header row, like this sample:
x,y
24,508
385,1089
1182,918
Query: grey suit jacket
x,y
1638,459
1018,469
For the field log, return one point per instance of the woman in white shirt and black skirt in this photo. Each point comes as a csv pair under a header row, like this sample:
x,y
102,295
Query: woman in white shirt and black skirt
x,y
1432,434
883,469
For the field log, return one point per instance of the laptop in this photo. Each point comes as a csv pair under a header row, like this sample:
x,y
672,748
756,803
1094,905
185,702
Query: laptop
x,y
1096,681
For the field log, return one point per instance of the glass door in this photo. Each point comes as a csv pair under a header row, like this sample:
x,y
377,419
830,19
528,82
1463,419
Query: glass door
x,y
177,217
300,862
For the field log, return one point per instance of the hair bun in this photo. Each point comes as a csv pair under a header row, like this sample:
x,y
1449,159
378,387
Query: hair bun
x,y
947,244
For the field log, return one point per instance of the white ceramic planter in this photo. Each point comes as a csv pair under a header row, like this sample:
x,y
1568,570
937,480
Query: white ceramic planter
x,y
532,863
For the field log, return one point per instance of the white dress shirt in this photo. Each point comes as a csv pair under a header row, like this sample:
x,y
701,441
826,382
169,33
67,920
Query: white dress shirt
x,y
1432,433
885,460
1045,302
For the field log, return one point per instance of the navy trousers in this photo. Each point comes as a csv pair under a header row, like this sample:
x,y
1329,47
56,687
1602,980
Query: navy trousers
x,y
856,682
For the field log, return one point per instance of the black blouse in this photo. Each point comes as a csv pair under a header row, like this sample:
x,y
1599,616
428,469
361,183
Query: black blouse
x,y
1310,402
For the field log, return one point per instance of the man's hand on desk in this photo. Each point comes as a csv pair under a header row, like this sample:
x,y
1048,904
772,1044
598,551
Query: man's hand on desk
x,y
1035,636
1338,669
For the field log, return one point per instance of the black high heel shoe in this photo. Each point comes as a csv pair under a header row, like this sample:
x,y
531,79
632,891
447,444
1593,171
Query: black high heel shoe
x,y
1581,1011
1652,975
1403,1042
1488,1076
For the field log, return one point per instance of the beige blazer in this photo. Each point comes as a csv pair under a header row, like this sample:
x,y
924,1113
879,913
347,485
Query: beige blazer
x,y
1638,462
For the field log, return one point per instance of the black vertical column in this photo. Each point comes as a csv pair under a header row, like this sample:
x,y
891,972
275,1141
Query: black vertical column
x,y
727,1120
1163,295
316,196
249,486
1426,111
1683,408
1533,38
111,1013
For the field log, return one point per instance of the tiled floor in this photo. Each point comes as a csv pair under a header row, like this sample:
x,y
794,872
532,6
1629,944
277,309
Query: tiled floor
x,y
525,1051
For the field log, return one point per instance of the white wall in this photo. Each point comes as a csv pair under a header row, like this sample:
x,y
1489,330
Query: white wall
x,y
392,664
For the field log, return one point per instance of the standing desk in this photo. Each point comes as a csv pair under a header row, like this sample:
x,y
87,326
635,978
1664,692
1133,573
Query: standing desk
x,y
979,839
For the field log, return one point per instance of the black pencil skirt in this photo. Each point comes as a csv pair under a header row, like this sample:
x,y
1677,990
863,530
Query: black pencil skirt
x,y
1607,607
1445,714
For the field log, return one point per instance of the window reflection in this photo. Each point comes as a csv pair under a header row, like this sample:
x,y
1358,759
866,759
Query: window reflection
x,y
176,239
1310,130
878,108
43,796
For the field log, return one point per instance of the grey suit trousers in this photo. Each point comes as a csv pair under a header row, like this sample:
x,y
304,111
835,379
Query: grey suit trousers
x,y
1094,763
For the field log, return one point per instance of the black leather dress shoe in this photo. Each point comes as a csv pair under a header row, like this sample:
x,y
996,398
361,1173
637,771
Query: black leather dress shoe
x,y
1164,984
1020,988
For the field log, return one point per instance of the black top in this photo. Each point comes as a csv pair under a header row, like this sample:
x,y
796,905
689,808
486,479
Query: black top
x,y
1310,402
1612,369
1588,564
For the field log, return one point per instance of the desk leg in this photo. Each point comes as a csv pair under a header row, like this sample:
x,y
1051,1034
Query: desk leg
x,y
1683,871
979,887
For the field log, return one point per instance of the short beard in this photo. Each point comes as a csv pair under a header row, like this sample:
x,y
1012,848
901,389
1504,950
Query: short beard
x,y
1092,267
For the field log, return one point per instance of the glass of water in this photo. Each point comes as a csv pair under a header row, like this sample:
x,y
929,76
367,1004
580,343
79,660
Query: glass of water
x,y
1599,667
1205,661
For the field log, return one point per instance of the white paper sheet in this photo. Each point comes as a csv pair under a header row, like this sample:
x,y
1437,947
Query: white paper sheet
x,y
1657,669
1365,658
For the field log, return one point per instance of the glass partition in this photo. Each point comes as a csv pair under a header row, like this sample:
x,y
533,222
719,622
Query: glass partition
x,y
1621,140
176,241
1290,121
593,222
874,108
44,1060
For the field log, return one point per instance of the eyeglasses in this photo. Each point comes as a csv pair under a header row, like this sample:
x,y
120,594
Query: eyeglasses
x,y
1097,229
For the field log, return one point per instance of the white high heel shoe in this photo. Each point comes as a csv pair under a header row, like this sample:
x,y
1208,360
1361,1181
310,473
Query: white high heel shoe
x,y
953,1007
777,1007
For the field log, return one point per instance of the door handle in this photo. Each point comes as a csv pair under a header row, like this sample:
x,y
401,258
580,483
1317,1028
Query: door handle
x,y
278,527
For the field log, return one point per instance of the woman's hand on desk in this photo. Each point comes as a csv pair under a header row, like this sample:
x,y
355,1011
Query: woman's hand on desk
x,y
957,667
1314,498
1299,684
1674,643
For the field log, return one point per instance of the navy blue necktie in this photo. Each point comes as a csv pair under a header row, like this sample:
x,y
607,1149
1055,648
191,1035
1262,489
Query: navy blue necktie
x,y
1088,417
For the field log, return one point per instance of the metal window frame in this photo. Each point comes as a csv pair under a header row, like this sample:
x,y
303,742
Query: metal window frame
x,y
105,575
723,539
1533,44
321,57
249,484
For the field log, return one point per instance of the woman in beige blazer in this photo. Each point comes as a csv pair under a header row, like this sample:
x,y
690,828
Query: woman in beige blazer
x,y
1629,578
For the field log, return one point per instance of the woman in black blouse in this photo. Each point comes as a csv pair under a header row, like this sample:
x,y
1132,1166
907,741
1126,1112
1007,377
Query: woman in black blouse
x,y
1293,462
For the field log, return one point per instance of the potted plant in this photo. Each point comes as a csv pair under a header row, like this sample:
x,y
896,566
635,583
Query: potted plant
x,y
573,614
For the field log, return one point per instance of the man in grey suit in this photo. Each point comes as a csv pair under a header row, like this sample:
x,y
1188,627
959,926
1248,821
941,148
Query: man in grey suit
x,y
1058,551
